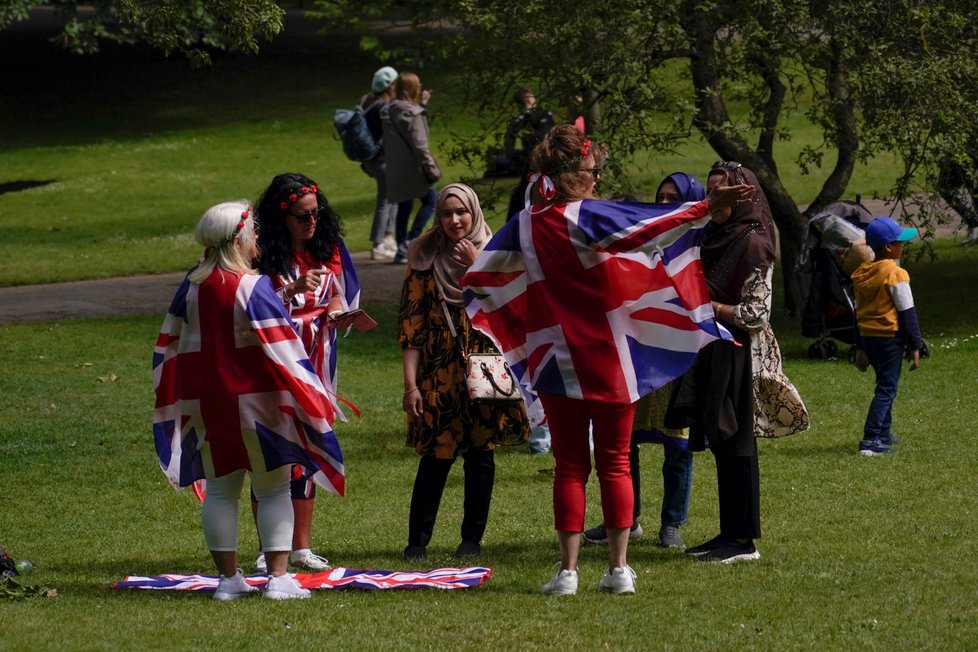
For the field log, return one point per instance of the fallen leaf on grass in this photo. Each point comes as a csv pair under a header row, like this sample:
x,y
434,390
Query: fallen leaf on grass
x,y
110,378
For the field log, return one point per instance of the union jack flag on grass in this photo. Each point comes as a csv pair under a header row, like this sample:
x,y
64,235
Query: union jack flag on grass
x,y
594,299
336,578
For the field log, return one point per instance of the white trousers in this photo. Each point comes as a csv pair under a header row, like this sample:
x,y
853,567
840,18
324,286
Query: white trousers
x,y
219,514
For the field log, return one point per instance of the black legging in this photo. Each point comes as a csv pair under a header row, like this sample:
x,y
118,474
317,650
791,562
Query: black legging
x,y
479,468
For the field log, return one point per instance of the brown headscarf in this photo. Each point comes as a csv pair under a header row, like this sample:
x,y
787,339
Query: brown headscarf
x,y
731,251
433,249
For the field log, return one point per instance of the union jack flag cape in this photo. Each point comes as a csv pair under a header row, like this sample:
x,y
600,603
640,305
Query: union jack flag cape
x,y
235,389
336,578
309,316
594,299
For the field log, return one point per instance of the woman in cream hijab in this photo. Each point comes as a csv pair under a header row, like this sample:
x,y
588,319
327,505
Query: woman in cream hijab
x,y
435,337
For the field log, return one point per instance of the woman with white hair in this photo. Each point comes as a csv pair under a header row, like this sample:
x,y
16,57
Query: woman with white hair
x,y
236,394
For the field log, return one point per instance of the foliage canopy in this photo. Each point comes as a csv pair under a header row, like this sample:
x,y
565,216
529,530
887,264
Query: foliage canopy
x,y
877,76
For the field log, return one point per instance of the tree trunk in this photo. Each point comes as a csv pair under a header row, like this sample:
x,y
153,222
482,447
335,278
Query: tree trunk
x,y
711,119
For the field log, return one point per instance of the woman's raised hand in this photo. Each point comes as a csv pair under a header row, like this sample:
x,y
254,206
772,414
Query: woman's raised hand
x,y
729,196
309,281
465,252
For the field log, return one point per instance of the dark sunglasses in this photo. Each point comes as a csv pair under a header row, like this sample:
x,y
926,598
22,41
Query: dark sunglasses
x,y
726,165
595,172
306,217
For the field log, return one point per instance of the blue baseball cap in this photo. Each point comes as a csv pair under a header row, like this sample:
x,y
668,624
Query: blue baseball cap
x,y
884,230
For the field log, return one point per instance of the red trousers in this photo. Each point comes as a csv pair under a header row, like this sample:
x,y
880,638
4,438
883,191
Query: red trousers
x,y
569,421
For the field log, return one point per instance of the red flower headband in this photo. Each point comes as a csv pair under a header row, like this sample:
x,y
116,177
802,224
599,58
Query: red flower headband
x,y
245,214
546,186
573,162
294,196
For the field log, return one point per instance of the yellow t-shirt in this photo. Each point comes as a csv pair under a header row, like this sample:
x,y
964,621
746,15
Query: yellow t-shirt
x,y
882,288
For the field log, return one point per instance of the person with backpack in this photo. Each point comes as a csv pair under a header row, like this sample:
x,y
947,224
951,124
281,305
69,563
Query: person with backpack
x,y
411,168
385,211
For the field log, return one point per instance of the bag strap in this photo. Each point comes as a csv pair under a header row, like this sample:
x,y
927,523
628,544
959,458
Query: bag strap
x,y
448,318
463,347
492,381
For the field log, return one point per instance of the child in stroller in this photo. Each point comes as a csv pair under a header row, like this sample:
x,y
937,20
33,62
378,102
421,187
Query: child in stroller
x,y
835,245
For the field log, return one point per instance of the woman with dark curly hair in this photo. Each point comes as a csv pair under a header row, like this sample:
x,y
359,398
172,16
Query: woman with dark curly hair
x,y
300,240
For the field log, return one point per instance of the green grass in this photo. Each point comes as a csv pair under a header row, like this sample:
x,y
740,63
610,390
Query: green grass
x,y
857,553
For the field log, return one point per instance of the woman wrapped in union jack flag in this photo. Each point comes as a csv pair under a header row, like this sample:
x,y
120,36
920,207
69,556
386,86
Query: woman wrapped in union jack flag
x,y
594,304
236,395
300,243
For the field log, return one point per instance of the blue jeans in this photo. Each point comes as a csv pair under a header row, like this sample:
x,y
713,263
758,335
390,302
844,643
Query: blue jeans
x,y
425,211
886,357
677,481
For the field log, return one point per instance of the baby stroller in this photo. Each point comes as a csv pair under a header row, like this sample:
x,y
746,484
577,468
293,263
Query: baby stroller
x,y
835,244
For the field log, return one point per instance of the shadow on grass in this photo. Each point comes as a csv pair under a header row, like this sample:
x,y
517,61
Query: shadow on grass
x,y
23,184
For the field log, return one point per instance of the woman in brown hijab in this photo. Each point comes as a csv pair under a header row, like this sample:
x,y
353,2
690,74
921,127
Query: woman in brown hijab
x,y
733,394
435,336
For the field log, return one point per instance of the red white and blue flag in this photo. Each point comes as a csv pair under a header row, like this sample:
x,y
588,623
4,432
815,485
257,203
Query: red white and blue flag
x,y
336,578
235,389
594,299
308,311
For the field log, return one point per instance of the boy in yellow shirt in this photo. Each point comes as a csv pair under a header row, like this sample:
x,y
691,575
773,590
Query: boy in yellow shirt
x,y
887,327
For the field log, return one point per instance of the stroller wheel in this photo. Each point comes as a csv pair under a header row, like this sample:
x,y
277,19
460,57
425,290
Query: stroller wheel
x,y
823,350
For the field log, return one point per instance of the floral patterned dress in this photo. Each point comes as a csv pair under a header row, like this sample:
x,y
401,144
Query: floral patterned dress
x,y
451,424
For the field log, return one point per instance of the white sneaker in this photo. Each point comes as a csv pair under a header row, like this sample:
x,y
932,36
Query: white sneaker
x,y
563,583
380,252
232,588
390,245
284,587
309,561
260,566
618,580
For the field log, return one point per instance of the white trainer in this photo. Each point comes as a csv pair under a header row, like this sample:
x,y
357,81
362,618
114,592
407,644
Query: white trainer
x,y
389,244
260,566
620,580
309,561
563,583
284,587
380,252
232,588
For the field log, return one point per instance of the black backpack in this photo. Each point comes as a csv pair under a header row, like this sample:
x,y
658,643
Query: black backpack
x,y
358,143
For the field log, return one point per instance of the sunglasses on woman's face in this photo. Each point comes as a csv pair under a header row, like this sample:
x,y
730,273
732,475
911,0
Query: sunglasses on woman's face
x,y
306,217
594,172
726,165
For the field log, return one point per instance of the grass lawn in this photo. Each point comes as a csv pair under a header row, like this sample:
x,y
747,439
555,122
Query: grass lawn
x,y
107,164
856,553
